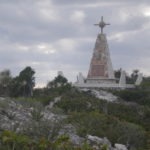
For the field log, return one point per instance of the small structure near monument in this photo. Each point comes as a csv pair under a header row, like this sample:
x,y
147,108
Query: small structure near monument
x,y
122,81
139,79
101,73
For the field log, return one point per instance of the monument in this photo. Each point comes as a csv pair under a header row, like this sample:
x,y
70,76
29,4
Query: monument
x,y
101,70
101,73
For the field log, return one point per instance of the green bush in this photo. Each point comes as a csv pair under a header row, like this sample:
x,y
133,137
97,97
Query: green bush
x,y
12,141
137,95
102,125
29,102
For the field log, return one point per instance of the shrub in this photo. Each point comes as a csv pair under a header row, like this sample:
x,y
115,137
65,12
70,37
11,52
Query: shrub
x,y
102,125
12,141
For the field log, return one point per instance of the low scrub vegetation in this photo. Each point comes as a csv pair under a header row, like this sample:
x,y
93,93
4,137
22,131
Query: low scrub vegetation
x,y
12,141
125,121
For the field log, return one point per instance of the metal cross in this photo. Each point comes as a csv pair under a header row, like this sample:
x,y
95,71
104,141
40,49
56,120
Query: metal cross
x,y
102,24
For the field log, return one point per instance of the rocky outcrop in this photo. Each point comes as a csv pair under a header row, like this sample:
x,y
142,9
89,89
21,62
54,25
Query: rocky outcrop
x,y
101,94
98,143
51,104
71,132
120,147
36,120
15,115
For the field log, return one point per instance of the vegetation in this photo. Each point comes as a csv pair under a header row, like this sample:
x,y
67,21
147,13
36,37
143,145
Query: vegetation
x,y
107,126
57,82
126,121
5,81
113,120
130,79
12,141
21,85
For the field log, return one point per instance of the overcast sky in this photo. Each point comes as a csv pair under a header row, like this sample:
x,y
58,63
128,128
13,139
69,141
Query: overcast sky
x,y
53,35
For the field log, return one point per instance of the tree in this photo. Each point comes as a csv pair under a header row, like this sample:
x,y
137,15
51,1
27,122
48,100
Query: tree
x,y
60,80
23,84
117,74
145,85
5,79
134,74
57,82
27,79
131,79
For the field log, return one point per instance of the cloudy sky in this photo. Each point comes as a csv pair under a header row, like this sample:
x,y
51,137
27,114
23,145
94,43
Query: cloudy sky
x,y
53,35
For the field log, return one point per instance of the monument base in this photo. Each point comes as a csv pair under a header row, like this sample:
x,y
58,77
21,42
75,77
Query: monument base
x,y
100,81
104,85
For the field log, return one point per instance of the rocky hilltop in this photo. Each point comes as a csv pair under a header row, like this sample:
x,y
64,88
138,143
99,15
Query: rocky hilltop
x,y
98,118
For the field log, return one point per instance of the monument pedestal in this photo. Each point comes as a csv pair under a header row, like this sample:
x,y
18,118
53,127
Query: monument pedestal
x,y
100,81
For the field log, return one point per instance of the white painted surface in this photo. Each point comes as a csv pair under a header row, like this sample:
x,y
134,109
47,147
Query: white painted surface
x,y
139,79
122,81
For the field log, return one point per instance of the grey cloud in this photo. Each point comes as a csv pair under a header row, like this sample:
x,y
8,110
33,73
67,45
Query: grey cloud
x,y
72,2
21,23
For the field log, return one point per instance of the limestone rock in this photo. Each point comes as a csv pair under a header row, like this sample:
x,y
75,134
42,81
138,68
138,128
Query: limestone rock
x,y
120,147
98,142
71,132
15,116
101,94
51,104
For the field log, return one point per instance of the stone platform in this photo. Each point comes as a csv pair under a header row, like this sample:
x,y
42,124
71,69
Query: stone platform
x,y
100,81
104,85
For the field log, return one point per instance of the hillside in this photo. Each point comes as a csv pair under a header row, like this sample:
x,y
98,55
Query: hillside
x,y
68,118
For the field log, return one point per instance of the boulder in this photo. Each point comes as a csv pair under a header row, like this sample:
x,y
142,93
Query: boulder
x,y
97,141
120,147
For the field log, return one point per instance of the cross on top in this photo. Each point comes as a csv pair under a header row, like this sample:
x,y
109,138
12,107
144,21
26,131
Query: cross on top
x,y
102,24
